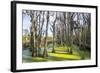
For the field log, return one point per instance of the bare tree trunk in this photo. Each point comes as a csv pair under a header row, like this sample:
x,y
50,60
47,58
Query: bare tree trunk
x,y
53,50
45,53
33,37
40,33
70,32
79,32
65,28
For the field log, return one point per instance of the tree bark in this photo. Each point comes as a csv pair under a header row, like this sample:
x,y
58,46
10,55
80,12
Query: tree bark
x,y
33,38
53,50
45,53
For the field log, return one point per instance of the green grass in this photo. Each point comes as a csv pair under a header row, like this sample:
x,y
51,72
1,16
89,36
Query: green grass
x,y
61,48
65,56
61,55
56,57
39,59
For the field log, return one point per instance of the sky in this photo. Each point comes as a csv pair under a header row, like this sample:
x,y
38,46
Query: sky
x,y
26,22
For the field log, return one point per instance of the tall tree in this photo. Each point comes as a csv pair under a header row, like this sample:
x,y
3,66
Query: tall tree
x,y
33,37
54,25
41,23
70,26
45,53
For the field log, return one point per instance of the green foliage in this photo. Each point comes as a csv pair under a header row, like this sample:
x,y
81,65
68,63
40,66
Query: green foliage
x,y
26,41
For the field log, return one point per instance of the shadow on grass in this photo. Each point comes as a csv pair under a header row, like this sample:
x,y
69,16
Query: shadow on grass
x,y
60,55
